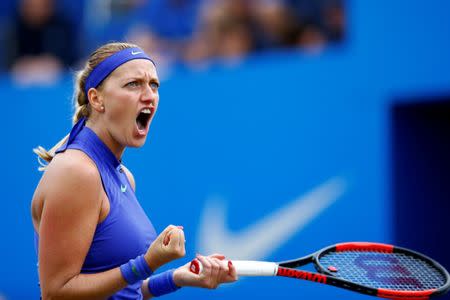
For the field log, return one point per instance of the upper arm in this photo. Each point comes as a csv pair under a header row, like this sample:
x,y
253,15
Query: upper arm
x,y
69,218
130,177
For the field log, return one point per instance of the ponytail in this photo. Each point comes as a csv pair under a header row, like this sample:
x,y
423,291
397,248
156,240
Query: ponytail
x,y
44,156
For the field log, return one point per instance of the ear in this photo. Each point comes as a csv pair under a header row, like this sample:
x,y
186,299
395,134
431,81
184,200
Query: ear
x,y
96,100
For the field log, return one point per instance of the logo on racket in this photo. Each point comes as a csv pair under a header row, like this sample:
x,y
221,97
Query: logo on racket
x,y
378,266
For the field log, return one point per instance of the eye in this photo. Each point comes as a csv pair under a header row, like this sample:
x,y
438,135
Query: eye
x,y
154,85
133,83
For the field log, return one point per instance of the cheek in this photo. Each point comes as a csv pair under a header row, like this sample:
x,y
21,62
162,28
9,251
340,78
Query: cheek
x,y
121,112
121,109
121,120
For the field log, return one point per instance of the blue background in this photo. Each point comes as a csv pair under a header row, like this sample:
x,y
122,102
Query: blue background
x,y
257,136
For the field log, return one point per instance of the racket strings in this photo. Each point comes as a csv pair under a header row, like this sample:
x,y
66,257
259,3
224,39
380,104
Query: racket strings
x,y
394,271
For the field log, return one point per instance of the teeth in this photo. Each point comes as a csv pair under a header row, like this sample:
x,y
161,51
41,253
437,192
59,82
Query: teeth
x,y
146,111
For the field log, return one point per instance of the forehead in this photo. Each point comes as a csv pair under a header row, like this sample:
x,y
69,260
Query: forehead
x,y
136,68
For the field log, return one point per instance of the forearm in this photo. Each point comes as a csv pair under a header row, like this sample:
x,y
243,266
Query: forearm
x,y
87,286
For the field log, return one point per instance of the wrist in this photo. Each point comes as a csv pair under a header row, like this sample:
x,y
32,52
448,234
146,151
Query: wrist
x,y
135,270
152,261
162,284
178,278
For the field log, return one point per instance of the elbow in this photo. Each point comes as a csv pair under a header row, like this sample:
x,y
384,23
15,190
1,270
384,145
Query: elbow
x,y
47,295
51,294
56,289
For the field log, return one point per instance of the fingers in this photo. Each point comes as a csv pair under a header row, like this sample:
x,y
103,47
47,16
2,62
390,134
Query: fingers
x,y
169,245
167,232
210,272
228,271
176,237
218,256
206,266
174,242
216,271
195,266
207,272
226,266
232,273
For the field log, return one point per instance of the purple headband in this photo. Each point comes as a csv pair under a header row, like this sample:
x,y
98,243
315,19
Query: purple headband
x,y
103,69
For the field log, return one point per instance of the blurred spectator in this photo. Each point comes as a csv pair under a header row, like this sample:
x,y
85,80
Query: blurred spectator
x,y
333,18
311,38
229,29
278,25
190,33
40,43
236,39
234,28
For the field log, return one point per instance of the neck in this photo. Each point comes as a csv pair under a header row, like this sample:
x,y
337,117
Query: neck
x,y
116,148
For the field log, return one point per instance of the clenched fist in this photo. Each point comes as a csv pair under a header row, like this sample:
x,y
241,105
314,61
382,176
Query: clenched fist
x,y
168,246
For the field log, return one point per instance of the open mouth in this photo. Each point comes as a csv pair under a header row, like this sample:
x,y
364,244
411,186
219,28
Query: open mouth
x,y
143,118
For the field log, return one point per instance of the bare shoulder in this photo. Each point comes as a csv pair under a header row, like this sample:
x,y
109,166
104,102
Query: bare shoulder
x,y
130,177
71,175
73,169
70,184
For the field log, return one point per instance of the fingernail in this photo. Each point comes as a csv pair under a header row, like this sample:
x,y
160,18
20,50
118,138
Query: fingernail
x,y
166,239
230,263
180,227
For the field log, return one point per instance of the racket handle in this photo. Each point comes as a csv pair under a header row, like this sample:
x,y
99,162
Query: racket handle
x,y
243,267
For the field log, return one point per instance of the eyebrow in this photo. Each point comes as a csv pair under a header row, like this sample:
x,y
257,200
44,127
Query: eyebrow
x,y
141,76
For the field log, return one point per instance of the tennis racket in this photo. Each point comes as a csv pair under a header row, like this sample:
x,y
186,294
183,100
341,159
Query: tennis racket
x,y
375,269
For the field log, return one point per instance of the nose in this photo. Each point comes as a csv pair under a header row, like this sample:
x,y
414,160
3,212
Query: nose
x,y
149,94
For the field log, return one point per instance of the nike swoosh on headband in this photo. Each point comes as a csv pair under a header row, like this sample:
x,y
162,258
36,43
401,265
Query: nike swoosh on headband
x,y
264,236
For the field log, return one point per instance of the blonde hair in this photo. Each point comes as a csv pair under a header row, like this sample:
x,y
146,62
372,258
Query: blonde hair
x,y
80,99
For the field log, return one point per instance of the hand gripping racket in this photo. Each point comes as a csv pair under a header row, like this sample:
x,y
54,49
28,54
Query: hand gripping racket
x,y
380,270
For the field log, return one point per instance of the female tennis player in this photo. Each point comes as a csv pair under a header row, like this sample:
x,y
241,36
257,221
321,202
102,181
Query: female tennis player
x,y
94,240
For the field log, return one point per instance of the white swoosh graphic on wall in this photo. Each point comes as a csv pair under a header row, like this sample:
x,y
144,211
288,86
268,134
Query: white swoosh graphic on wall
x,y
261,238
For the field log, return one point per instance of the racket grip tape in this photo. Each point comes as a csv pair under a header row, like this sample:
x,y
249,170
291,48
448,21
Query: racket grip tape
x,y
243,267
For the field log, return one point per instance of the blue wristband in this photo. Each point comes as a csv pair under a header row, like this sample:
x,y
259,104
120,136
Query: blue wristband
x,y
162,284
135,270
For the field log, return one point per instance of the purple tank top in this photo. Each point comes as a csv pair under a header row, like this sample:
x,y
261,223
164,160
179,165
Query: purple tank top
x,y
126,232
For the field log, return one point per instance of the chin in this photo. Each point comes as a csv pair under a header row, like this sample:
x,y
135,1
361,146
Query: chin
x,y
137,143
